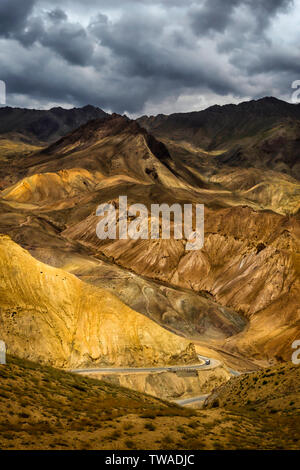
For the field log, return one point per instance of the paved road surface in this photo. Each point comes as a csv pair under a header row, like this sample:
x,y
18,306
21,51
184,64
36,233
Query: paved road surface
x,y
213,363
133,370
188,401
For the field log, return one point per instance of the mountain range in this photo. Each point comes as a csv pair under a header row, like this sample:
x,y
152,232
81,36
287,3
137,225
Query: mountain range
x,y
238,297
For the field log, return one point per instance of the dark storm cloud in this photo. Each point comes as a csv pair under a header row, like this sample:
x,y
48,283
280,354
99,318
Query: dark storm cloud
x,y
275,61
70,41
131,41
217,15
212,16
57,15
46,84
67,39
122,4
127,55
14,15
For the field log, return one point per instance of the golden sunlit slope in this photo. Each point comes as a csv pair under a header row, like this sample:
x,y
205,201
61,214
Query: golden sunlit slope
x,y
13,147
181,310
260,188
13,144
52,186
113,146
100,154
269,189
51,316
250,150
107,152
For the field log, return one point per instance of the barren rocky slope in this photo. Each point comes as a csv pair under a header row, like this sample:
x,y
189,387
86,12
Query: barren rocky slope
x,y
268,126
25,131
241,291
249,263
37,210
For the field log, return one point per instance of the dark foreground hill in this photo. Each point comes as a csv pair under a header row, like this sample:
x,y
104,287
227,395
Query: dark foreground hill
x,y
275,390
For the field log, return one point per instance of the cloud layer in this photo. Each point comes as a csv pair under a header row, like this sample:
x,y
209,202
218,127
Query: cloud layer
x,y
147,56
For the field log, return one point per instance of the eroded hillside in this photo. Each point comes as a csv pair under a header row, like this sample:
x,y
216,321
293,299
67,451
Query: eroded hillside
x,y
240,293
49,315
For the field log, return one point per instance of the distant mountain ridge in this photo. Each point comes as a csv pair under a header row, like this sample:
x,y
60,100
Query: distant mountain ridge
x,y
46,126
262,133
219,123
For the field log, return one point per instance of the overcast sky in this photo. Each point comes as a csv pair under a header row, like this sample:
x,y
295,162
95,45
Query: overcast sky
x,y
147,56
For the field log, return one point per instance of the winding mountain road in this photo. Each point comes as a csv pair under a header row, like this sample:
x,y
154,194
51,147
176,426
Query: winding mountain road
x,y
206,364
189,401
199,398
213,363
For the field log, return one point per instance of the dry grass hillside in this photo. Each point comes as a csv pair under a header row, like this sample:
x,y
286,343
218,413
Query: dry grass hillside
x,y
45,408
274,390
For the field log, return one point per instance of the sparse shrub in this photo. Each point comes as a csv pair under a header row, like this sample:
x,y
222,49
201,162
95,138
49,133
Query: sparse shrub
x,y
127,426
181,429
148,415
24,415
167,439
150,426
8,436
115,435
130,444
193,424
